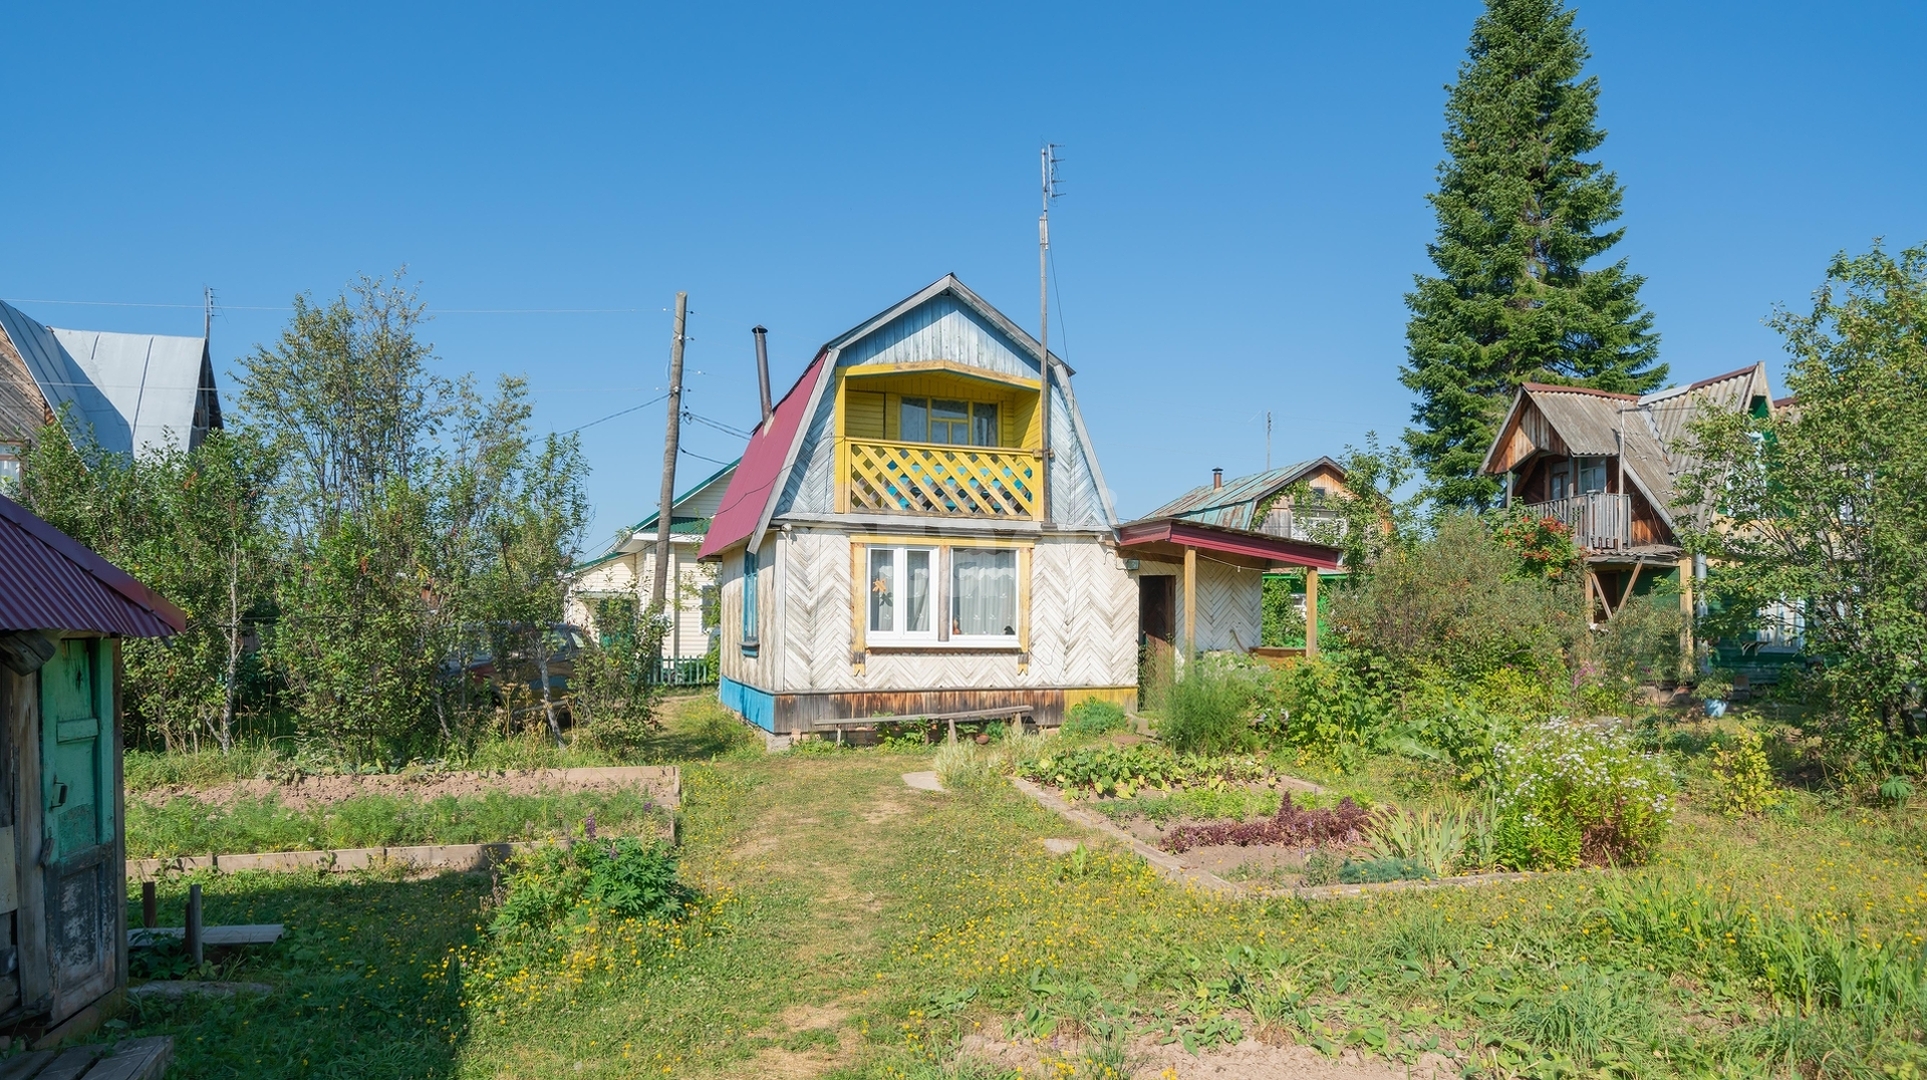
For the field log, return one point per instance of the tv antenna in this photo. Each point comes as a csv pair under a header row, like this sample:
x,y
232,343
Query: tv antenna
x,y
1047,164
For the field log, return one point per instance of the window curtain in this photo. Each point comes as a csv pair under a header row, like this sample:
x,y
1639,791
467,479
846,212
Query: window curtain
x,y
916,592
983,592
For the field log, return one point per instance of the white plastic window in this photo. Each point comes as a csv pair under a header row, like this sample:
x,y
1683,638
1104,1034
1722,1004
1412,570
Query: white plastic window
x,y
899,594
983,594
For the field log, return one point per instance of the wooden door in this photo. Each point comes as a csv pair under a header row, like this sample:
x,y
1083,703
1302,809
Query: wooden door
x,y
1157,607
78,802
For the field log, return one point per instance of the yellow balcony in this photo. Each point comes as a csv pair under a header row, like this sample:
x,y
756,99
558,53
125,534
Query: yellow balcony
x,y
951,481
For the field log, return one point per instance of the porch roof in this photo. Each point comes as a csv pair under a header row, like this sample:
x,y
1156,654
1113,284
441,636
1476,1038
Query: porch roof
x,y
1167,537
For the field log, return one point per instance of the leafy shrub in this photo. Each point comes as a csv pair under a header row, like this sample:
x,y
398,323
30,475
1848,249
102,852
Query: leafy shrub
x,y
1124,771
1571,792
1639,644
579,881
1342,824
1742,778
1433,839
1091,718
1458,603
1384,868
1323,708
1204,711
610,695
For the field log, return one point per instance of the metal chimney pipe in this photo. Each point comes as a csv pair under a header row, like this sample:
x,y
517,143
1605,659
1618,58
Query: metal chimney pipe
x,y
762,366
1217,479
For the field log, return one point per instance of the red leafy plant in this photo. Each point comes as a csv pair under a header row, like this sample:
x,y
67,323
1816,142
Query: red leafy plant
x,y
1289,827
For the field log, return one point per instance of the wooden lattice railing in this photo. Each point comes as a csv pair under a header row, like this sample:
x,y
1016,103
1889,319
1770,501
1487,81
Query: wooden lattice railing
x,y
954,481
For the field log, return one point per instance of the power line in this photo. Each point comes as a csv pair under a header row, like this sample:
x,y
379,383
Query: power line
x,y
248,307
613,415
704,457
707,422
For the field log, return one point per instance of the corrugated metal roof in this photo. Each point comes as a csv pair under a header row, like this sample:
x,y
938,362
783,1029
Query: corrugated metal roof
x,y
134,392
761,466
1652,430
50,581
1231,506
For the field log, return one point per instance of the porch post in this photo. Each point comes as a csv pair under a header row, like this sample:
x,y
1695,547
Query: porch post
x,y
1190,603
1311,612
1686,609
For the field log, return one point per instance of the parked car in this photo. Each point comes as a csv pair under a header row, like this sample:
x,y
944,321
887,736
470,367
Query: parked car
x,y
563,641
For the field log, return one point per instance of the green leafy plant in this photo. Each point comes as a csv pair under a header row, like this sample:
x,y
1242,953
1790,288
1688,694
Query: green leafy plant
x,y
1124,771
1897,790
1570,792
625,877
1092,718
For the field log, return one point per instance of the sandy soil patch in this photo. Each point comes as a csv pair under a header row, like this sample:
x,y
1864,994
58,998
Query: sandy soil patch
x,y
306,791
1249,1060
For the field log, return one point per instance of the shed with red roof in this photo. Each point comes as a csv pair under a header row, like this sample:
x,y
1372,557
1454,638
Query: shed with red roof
x,y
63,890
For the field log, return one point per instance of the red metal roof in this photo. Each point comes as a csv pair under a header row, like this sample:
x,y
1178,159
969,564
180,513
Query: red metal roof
x,y
750,489
1228,541
50,581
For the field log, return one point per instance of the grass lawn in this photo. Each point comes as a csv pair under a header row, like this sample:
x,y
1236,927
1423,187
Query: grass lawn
x,y
854,928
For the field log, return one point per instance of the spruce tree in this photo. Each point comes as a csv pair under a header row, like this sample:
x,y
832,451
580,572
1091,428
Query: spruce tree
x,y
1519,215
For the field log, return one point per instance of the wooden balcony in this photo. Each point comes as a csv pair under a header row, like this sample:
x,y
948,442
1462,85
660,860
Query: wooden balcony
x,y
979,482
1599,521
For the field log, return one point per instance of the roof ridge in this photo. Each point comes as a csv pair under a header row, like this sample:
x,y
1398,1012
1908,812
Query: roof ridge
x,y
1560,388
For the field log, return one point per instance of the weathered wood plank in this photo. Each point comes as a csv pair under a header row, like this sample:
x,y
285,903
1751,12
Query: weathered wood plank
x,y
136,1059
257,934
26,1065
71,1064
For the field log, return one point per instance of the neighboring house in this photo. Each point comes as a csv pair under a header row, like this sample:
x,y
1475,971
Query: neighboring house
x,y
1609,465
63,892
129,393
625,573
1202,557
890,548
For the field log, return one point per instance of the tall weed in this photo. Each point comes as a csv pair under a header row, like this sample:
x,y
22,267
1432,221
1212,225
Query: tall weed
x,y
1206,710
1569,793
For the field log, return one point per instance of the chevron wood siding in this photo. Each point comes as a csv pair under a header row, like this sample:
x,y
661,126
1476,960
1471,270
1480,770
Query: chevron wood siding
x,y
941,329
1083,624
1230,606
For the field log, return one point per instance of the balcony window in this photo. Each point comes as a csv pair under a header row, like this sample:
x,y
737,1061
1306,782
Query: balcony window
x,y
1592,475
983,593
899,594
953,423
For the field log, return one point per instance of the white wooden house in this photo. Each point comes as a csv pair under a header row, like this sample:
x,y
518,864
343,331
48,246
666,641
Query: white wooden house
x,y
890,546
626,572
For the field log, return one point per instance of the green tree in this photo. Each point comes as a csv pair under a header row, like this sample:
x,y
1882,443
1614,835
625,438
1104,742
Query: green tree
x,y
1520,213
193,525
1819,506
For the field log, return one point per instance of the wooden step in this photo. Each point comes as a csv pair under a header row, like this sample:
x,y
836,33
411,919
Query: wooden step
x,y
131,1059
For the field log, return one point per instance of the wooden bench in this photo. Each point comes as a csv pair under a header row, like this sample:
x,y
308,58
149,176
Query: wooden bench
x,y
130,1059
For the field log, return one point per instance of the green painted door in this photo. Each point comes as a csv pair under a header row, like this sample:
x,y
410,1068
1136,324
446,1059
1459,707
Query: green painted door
x,y
78,804
76,709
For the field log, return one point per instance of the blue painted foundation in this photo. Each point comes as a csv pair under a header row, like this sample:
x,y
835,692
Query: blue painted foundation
x,y
756,706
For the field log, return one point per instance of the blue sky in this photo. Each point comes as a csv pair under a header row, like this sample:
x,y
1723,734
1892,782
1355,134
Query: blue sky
x,y
1244,210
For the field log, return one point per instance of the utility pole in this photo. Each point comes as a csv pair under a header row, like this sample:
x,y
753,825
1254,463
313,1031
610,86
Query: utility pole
x,y
207,311
1267,440
1048,164
670,447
